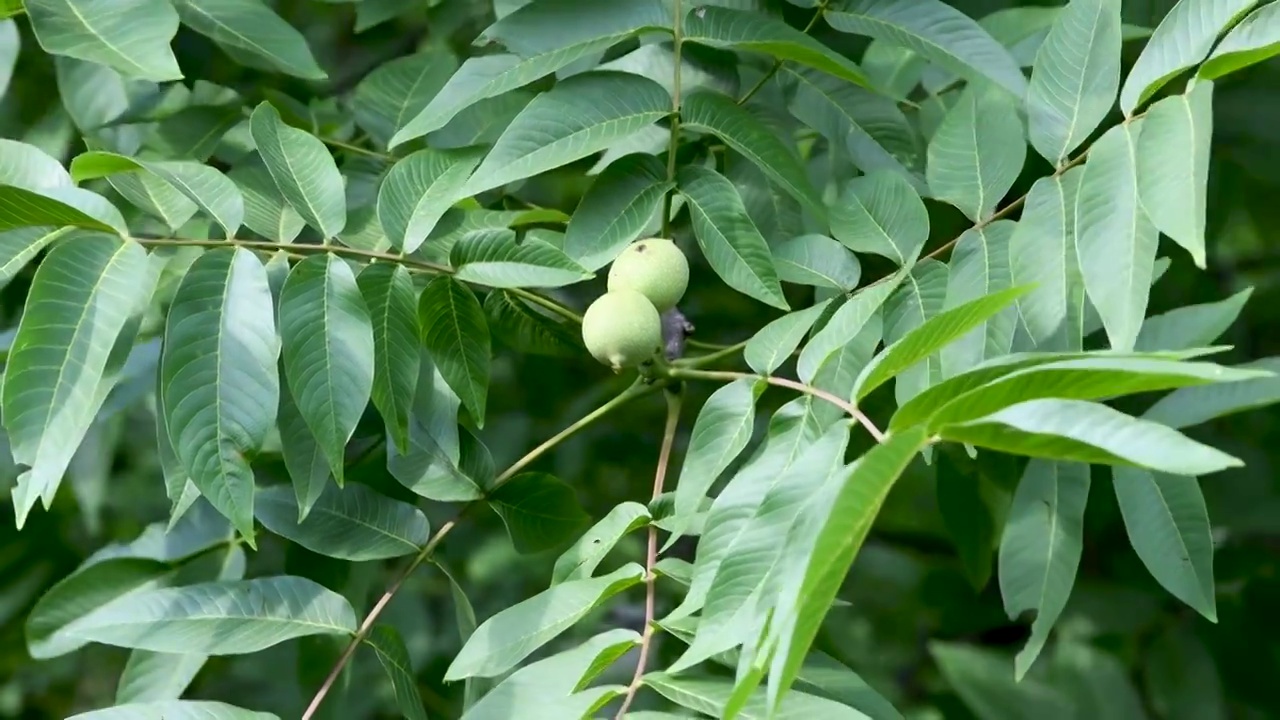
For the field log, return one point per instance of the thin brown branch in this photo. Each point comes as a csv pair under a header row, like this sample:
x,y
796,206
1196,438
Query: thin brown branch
x,y
637,390
651,553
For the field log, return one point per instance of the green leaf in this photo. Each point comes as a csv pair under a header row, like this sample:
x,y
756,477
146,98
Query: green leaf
x,y
749,30
1195,405
1252,40
921,296
938,32
869,126
27,166
1115,240
982,679
396,91
502,641
581,115
174,710
1088,432
194,132
832,532
435,464
265,210
219,618
152,677
10,43
731,611
977,152
456,335
712,696
817,260
394,657
967,517
303,169
845,324
566,26
881,213
1173,184
61,363
1040,548
59,207
545,690
540,511
306,463
495,259
81,593
351,523
716,113
1168,526
1181,677
1096,680
980,267
527,329
1042,255
1182,39
219,383
327,349
203,185
252,35
391,299
732,245
1075,77
131,36
934,334
154,196
418,190
1191,326
580,561
616,209
777,341
19,247
720,433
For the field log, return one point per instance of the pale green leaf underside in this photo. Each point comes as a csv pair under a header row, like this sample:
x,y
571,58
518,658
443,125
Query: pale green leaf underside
x,y
131,36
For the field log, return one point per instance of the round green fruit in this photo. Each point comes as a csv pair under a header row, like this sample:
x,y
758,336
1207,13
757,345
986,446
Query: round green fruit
x,y
653,267
622,329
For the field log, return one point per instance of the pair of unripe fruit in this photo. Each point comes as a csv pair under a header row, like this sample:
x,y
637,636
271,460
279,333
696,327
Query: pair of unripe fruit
x,y
623,327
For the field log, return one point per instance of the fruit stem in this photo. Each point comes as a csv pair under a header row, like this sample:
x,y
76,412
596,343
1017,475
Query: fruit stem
x,y
729,376
651,555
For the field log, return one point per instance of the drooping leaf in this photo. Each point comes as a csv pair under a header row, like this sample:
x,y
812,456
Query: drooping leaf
x,y
389,295
396,91
1075,78
581,115
456,335
219,383
1195,405
1040,548
418,190
1252,40
980,267
212,191
1191,326
1042,255
351,523
881,213
218,618
131,36
583,557
981,678
777,341
616,209
495,259
394,658
252,34
732,245
713,112
977,152
306,463
1182,39
935,30
174,710
1115,240
265,210
967,516
511,635
735,29
434,465
1088,432
64,356
832,531
303,169
1173,184
816,260
540,511
845,324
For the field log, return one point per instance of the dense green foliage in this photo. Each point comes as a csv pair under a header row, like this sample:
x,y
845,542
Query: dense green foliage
x,y
300,421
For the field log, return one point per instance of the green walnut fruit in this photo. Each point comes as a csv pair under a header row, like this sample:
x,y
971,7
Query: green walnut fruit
x,y
622,329
655,268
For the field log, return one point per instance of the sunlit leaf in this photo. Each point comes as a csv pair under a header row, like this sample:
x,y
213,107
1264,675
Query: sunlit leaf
x,y
1252,40
1195,405
583,557
203,185
847,321
174,710
58,207
921,295
777,341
